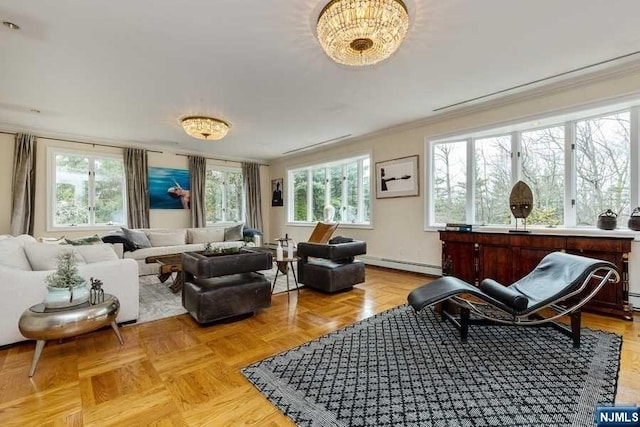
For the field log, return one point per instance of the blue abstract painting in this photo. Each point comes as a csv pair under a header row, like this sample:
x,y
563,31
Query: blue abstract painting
x,y
169,188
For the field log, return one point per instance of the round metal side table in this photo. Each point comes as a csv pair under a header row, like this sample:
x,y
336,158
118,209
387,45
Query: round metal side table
x,y
42,324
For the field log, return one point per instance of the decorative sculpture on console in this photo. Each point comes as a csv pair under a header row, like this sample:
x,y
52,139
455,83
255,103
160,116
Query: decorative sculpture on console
x,y
521,204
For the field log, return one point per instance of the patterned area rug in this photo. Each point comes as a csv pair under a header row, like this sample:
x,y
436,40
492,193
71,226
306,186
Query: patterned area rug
x,y
157,301
407,368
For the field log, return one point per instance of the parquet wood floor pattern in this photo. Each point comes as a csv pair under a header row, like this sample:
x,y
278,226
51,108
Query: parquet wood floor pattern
x,y
174,372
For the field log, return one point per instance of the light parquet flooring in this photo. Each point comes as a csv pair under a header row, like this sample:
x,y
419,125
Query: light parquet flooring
x,y
172,372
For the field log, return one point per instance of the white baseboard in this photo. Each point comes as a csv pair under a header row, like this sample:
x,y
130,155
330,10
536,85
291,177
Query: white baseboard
x,y
415,267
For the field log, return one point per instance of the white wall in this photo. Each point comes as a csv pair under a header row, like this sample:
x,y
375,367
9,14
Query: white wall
x,y
397,231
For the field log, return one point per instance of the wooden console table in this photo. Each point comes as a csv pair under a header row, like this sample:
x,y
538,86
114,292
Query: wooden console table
x,y
506,257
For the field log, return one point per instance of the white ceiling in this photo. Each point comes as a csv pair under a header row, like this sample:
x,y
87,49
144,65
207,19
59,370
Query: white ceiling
x,y
126,72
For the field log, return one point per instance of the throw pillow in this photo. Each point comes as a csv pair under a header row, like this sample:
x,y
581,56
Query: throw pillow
x,y
340,239
167,238
97,253
45,257
119,238
137,237
52,240
232,234
12,254
89,240
205,235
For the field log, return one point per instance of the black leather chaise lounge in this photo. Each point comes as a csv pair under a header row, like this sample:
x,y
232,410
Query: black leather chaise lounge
x,y
556,279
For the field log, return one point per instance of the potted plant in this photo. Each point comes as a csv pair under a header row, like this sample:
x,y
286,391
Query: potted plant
x,y
65,286
210,249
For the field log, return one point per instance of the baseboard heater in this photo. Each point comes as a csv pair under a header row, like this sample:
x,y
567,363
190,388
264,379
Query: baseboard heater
x,y
634,299
415,267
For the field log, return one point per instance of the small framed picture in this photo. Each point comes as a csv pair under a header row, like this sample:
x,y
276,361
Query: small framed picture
x,y
276,188
397,178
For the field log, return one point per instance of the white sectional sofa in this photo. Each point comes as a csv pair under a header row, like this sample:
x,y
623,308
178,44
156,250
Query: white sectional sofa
x,y
162,241
24,265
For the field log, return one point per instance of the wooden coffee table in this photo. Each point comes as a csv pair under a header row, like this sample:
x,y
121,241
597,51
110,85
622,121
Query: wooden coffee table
x,y
169,264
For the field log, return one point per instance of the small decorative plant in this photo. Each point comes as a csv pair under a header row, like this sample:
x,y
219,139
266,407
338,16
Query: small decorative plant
x,y
210,249
66,276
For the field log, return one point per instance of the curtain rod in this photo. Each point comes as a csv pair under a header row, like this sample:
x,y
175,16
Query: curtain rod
x,y
221,160
82,142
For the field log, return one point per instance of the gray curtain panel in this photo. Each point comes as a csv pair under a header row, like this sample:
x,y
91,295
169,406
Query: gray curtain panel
x,y
135,169
198,177
23,186
251,176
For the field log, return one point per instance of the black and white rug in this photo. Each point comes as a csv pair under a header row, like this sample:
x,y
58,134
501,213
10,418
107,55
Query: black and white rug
x,y
405,368
157,301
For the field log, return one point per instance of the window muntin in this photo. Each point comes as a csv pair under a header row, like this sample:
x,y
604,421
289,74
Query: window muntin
x,y
576,171
603,160
345,185
224,195
87,190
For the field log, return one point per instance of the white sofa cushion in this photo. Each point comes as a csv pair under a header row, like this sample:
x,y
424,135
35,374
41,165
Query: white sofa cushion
x,y
167,238
43,256
12,253
205,235
97,253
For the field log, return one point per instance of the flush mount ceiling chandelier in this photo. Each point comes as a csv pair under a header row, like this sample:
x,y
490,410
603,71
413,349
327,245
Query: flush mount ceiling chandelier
x,y
362,32
205,127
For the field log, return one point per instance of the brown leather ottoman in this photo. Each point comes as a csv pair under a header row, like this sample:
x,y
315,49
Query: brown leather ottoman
x,y
225,286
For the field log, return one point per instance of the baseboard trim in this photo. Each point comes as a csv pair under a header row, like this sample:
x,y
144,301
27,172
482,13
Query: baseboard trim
x,y
415,267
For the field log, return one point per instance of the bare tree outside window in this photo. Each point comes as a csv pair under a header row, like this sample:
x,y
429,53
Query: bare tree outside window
x,y
543,171
450,181
602,167
493,179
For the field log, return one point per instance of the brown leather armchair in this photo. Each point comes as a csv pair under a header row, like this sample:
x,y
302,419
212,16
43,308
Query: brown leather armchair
x,y
331,267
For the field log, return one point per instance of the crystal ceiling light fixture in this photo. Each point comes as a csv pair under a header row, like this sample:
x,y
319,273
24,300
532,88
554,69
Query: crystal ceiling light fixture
x,y
205,127
362,32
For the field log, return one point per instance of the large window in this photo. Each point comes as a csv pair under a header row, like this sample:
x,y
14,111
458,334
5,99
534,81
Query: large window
x,y
450,181
576,170
542,156
603,166
492,179
224,195
345,185
86,190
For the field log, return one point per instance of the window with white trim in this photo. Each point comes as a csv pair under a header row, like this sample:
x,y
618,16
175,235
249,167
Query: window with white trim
x,y
224,195
87,190
576,170
345,185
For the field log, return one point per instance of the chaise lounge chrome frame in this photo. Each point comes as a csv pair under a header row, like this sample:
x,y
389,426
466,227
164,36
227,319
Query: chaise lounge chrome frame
x,y
449,289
